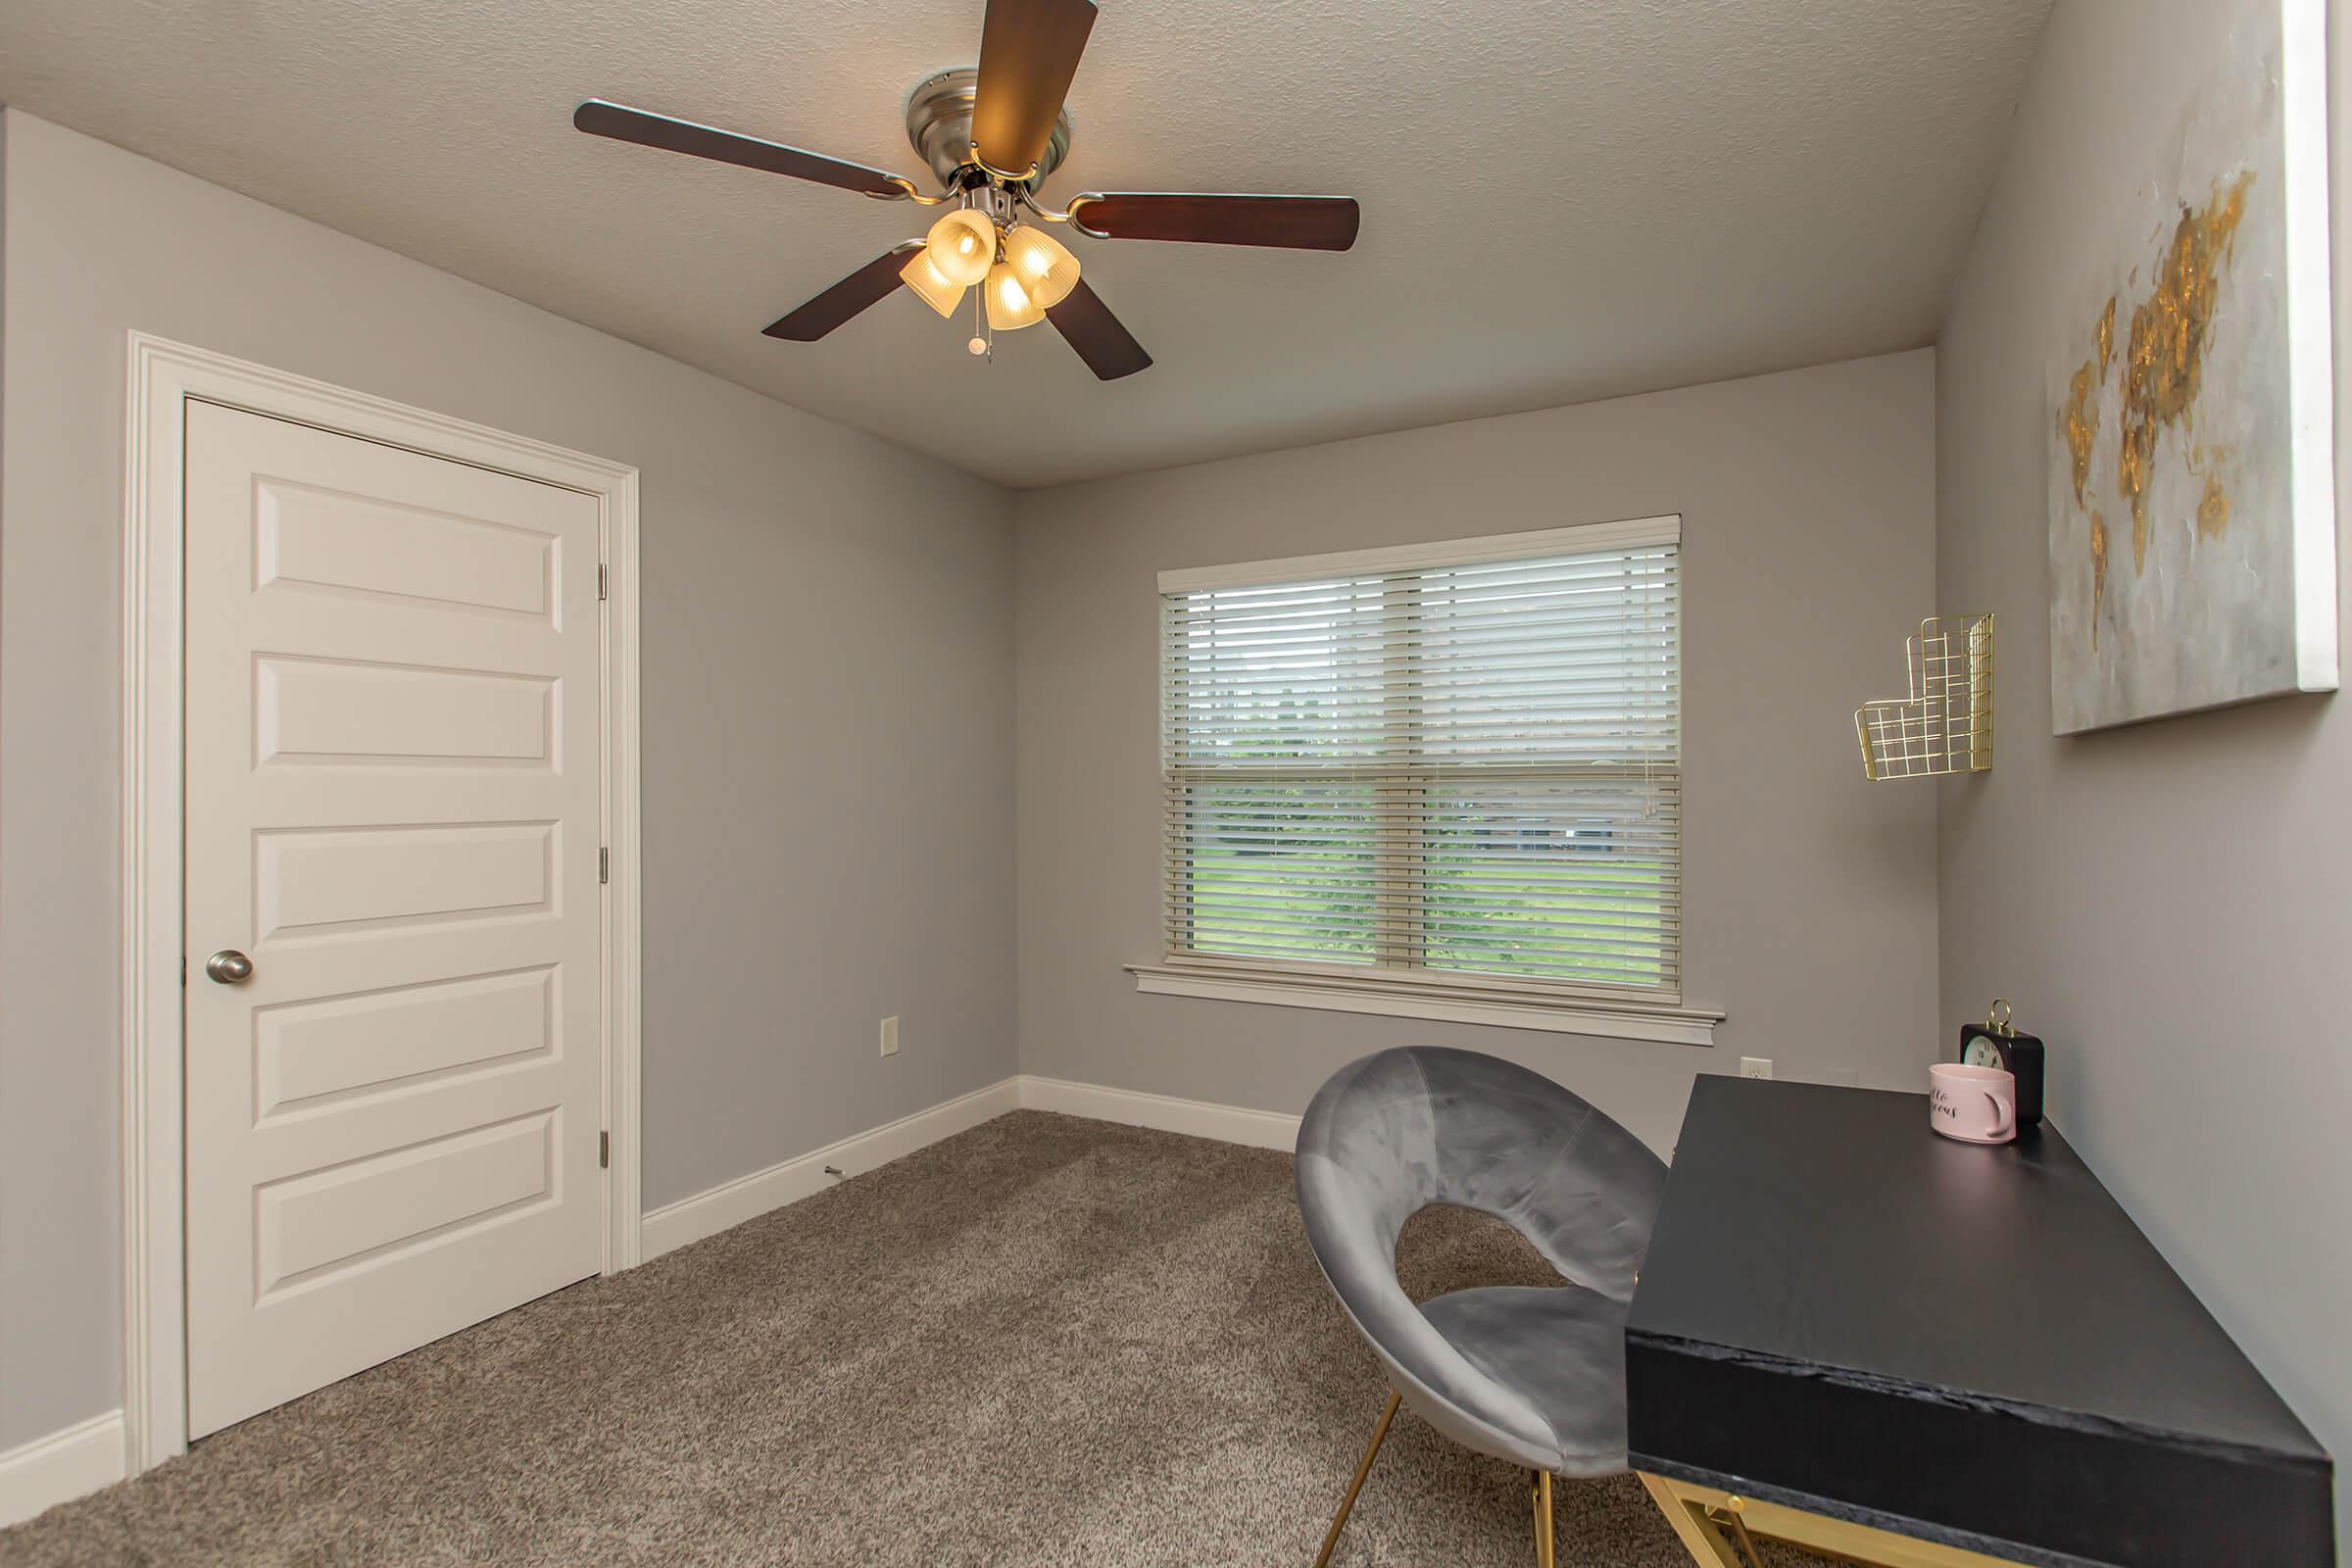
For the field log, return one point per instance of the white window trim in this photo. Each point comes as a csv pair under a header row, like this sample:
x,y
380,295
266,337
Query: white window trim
x,y
1433,996
1508,1007
1633,534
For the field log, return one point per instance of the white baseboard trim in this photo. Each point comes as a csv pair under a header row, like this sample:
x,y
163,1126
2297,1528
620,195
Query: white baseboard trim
x,y
37,1476
1232,1124
723,1207
707,1214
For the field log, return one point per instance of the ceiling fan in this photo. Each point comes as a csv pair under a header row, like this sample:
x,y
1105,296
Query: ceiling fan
x,y
992,136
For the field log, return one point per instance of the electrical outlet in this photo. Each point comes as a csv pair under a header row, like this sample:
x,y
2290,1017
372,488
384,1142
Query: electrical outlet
x,y
890,1035
1755,1066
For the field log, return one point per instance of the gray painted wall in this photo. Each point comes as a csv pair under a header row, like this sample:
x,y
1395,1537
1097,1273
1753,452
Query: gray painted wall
x,y
2165,903
827,709
1808,502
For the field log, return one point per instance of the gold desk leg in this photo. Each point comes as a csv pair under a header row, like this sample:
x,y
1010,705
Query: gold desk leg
x,y
1539,1485
1730,1516
1339,1520
1697,1533
1701,1515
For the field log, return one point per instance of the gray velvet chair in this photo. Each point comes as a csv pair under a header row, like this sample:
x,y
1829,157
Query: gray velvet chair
x,y
1534,1376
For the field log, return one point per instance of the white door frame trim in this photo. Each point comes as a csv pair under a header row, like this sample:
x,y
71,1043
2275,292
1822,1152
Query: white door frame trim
x,y
162,377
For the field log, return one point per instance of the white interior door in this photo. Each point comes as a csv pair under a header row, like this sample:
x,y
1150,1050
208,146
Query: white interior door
x,y
394,799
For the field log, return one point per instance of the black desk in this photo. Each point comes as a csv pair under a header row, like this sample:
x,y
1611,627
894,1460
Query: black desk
x,y
1844,1320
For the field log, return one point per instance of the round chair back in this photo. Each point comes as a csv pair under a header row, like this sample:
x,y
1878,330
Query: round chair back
x,y
1394,1133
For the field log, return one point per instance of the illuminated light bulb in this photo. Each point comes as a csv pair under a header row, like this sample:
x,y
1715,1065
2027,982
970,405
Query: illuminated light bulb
x,y
1047,270
934,290
1010,304
978,345
962,245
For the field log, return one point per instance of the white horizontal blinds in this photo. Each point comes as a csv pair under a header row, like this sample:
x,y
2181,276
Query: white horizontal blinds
x,y
1548,732
1470,768
1275,741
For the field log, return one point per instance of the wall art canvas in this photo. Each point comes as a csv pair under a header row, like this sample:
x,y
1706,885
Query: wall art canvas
x,y
2192,478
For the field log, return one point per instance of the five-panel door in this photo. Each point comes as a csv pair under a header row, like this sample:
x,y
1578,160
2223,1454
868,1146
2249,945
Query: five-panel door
x,y
394,809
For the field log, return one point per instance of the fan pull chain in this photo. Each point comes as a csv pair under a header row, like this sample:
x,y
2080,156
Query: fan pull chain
x,y
983,343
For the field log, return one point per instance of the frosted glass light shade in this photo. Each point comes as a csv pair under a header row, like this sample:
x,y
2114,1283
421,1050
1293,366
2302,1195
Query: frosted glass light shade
x,y
962,245
929,286
1010,303
1046,269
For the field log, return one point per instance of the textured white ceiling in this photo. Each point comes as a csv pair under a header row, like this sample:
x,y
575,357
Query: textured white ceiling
x,y
1563,199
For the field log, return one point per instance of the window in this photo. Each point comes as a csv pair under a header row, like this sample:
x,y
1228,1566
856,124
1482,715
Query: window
x,y
1452,767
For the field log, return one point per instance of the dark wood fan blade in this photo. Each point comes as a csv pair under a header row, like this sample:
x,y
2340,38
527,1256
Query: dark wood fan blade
x,y
1086,323
864,287
622,124
1029,51
1290,222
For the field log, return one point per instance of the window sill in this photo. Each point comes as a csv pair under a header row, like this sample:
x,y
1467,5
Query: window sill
x,y
1506,1006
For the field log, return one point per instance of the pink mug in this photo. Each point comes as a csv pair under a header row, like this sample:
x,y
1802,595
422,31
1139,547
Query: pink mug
x,y
1973,1105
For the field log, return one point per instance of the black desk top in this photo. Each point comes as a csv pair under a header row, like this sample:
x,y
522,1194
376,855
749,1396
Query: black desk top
x,y
1983,1317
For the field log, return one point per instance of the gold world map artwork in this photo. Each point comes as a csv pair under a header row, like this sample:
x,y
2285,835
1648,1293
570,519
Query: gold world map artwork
x,y
2163,372
2190,467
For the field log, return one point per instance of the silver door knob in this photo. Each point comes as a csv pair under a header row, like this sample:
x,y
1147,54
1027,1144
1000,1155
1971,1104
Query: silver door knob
x,y
230,966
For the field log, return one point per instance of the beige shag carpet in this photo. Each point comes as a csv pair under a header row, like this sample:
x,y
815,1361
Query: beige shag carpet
x,y
1046,1340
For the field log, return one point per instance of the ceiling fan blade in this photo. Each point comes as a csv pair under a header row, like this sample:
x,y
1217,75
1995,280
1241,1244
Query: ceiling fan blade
x,y
1290,222
1086,323
864,287
1029,51
622,124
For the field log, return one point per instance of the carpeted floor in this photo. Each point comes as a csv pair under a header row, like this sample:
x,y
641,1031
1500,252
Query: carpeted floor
x,y
1047,1341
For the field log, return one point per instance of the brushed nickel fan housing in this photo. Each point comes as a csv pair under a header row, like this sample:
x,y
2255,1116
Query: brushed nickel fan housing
x,y
939,121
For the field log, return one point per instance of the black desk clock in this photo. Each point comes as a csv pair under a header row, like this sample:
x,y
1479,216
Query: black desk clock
x,y
1994,1043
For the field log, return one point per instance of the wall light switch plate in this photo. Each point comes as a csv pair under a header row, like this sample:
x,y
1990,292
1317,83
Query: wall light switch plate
x,y
1755,1066
890,1035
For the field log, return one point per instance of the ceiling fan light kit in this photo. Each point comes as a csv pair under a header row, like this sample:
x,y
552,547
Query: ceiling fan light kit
x,y
1046,269
962,246
1010,306
992,134
934,288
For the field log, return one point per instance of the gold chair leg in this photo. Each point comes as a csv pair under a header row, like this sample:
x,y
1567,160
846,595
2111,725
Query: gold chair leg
x,y
1540,1489
1339,1520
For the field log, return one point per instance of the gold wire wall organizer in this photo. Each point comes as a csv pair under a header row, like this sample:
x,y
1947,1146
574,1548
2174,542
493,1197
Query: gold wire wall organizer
x,y
1945,725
